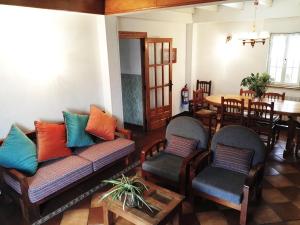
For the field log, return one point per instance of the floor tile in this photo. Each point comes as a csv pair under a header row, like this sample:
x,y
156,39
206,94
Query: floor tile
x,y
279,181
286,211
274,196
265,214
76,216
211,218
292,193
285,168
297,203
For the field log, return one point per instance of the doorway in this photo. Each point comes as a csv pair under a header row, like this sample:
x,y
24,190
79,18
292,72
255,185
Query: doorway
x,y
132,78
146,77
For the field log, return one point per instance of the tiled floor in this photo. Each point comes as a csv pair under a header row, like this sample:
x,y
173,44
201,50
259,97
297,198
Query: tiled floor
x,y
280,203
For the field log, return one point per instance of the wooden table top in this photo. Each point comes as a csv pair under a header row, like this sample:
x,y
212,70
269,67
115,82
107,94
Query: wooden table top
x,y
162,200
285,107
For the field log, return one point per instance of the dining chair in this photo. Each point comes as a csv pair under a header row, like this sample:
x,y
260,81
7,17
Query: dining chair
x,y
168,160
248,93
281,123
261,120
205,85
274,96
232,112
206,116
231,173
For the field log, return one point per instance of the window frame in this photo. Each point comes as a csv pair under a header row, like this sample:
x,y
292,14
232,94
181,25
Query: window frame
x,y
283,72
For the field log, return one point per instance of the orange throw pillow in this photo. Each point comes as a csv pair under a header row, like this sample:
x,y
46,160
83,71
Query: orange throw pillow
x,y
51,141
101,124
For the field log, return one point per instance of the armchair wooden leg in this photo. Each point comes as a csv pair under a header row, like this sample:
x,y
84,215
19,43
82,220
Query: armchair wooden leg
x,y
244,206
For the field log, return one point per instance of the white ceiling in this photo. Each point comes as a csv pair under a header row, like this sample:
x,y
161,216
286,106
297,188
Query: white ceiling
x,y
225,11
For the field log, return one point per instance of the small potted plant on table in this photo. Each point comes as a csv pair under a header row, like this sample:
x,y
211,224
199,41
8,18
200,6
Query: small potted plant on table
x,y
128,190
257,82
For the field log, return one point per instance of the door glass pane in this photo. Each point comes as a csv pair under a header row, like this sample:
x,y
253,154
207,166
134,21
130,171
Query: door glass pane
x,y
151,77
166,54
159,75
166,74
152,99
151,53
158,53
166,96
159,97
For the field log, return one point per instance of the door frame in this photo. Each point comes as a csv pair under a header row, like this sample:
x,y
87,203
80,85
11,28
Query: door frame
x,y
141,36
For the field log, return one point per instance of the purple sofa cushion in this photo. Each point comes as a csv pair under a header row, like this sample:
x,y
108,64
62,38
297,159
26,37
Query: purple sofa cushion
x,y
53,176
106,152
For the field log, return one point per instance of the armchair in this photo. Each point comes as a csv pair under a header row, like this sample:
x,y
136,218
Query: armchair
x,y
226,186
160,165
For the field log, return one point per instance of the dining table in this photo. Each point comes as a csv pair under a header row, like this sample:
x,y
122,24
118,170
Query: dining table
x,y
288,108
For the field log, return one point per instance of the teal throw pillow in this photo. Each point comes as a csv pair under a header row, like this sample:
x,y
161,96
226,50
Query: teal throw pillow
x,y
18,152
76,134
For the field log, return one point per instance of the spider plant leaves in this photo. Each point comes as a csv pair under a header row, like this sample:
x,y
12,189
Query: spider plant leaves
x,y
124,187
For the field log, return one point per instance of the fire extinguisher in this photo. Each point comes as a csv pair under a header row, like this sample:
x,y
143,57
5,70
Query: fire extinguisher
x,y
184,97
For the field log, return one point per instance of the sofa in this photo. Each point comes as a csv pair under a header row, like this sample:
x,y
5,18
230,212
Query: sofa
x,y
56,176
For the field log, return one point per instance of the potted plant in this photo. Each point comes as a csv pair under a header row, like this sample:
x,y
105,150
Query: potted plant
x,y
128,190
257,82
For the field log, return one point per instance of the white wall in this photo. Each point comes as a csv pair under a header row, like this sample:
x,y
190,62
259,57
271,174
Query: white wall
x,y
227,63
177,31
49,62
130,56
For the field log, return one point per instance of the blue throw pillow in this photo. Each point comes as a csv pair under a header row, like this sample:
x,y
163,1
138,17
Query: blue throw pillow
x,y
76,134
18,152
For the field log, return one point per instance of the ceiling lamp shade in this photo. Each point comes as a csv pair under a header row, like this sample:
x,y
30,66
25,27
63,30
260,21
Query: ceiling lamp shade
x,y
254,36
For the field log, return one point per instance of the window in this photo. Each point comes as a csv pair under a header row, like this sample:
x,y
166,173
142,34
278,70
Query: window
x,y
284,58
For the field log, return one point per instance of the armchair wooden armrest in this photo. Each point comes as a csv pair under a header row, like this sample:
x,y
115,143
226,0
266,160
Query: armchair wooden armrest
x,y
121,132
199,163
255,173
148,150
193,156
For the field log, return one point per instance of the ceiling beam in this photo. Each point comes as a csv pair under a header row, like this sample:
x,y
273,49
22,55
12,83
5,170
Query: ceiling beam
x,y
85,6
124,6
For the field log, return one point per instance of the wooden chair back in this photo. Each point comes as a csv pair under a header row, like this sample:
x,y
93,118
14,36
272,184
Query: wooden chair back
x,y
260,119
198,99
274,96
232,111
205,85
248,93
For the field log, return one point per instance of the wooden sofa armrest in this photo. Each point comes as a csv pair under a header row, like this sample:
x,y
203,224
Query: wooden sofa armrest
x,y
192,157
121,132
254,174
148,150
19,176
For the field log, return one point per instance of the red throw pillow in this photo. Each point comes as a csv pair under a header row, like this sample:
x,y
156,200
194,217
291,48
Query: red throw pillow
x,y
101,124
181,146
232,158
51,141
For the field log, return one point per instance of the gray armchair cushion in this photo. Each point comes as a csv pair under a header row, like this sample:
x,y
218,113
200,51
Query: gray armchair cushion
x,y
240,137
220,183
188,127
164,165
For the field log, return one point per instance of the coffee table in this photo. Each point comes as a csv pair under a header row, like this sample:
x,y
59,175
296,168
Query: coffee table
x,y
166,204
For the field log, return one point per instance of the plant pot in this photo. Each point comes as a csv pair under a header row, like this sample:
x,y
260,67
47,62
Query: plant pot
x,y
130,200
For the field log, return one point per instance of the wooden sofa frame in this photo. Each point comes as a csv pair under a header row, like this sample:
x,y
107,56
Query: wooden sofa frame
x,y
31,211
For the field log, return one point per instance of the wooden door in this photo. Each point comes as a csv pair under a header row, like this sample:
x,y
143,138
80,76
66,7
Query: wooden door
x,y
158,81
